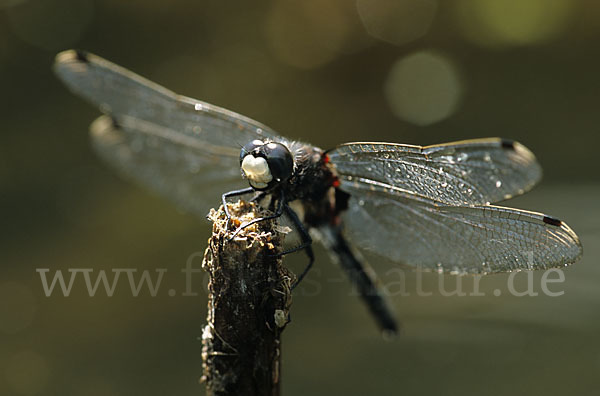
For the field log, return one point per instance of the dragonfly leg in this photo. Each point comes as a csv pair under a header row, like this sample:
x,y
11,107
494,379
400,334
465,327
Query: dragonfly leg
x,y
258,197
230,194
306,244
278,213
311,260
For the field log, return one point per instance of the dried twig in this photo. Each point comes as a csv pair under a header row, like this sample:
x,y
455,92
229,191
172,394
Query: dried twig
x,y
249,299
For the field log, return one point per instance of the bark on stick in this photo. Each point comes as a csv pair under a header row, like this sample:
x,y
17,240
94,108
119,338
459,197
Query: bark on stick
x,y
249,298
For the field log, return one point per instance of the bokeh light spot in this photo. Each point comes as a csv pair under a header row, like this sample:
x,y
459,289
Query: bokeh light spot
x,y
306,33
50,24
397,21
496,23
423,88
17,307
26,373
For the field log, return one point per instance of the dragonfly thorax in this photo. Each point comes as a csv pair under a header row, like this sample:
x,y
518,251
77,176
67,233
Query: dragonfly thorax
x,y
266,164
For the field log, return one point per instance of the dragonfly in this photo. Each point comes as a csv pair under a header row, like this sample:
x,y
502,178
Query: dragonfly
x,y
427,207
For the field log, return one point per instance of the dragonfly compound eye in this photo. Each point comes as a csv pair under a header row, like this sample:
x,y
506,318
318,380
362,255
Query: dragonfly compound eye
x,y
251,147
266,163
280,161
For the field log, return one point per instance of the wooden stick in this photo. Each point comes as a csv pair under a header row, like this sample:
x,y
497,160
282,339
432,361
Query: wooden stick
x,y
249,298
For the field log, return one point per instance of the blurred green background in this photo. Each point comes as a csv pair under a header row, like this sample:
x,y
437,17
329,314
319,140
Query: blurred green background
x,y
324,71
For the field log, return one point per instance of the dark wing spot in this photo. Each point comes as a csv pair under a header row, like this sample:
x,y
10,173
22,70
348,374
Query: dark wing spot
x,y
507,144
552,221
82,56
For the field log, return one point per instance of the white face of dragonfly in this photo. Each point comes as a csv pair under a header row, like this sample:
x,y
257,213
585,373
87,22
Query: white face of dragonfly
x,y
257,171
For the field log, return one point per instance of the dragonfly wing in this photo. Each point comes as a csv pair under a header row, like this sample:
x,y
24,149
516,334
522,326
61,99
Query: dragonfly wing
x,y
435,236
463,173
119,92
177,170
185,149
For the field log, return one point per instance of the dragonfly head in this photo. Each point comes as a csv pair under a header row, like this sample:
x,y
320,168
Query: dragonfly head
x,y
266,164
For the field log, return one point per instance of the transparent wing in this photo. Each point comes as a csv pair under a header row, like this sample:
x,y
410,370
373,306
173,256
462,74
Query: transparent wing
x,y
180,171
185,149
468,172
419,232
